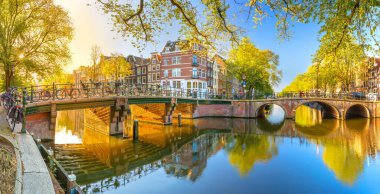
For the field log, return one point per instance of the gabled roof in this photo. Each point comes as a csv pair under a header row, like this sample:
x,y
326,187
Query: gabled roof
x,y
171,44
134,60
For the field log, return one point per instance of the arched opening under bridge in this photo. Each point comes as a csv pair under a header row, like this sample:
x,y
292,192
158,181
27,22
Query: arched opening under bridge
x,y
312,113
271,115
357,111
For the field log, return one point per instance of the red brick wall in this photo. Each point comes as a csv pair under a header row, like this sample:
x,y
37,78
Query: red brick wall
x,y
38,124
185,65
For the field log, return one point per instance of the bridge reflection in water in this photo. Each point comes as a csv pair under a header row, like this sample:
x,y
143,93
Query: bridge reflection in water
x,y
102,162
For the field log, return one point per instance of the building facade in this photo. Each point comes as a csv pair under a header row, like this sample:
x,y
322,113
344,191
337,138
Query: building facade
x,y
184,67
154,69
139,67
227,83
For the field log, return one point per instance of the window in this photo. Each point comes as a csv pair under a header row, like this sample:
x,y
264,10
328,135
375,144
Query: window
x,y
195,74
188,85
176,60
166,73
150,77
139,71
138,80
154,61
158,67
167,49
158,76
177,84
154,77
204,85
144,70
195,58
176,72
153,67
166,61
149,69
177,48
195,85
144,80
203,73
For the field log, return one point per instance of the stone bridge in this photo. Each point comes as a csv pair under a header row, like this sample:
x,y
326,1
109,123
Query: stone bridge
x,y
114,110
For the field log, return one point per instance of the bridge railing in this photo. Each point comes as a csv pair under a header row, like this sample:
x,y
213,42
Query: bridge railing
x,y
110,89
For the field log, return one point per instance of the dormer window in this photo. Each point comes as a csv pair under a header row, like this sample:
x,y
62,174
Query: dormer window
x,y
177,48
154,61
167,49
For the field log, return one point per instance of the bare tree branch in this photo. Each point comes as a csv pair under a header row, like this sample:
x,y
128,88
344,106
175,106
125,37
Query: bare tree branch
x,y
188,20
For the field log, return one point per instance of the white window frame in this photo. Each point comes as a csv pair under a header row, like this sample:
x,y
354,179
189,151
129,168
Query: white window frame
x,y
176,72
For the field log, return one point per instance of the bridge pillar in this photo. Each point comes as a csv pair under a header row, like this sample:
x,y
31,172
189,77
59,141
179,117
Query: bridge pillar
x,y
169,109
53,116
118,115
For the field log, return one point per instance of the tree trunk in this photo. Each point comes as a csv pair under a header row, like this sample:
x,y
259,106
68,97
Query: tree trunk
x,y
8,75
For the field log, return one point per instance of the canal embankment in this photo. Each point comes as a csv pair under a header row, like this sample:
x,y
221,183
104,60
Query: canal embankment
x,y
32,174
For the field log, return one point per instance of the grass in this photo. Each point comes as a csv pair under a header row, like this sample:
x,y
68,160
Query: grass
x,y
8,167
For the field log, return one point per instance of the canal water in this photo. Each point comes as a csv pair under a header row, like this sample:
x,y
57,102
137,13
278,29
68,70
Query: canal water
x,y
218,155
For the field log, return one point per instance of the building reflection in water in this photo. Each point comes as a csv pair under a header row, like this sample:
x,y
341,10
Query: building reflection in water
x,y
103,162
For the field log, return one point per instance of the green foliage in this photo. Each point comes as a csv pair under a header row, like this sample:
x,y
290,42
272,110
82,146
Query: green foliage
x,y
115,66
258,66
333,69
34,37
209,20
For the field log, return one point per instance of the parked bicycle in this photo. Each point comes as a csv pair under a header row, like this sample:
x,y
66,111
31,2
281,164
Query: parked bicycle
x,y
71,92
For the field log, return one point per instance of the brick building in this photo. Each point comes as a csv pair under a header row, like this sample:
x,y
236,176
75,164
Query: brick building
x,y
154,69
139,67
184,66
227,83
374,75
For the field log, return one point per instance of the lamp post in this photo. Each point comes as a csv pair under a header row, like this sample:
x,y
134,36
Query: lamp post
x,y
244,84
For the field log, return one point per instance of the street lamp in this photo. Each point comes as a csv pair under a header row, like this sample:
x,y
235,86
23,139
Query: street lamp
x,y
244,84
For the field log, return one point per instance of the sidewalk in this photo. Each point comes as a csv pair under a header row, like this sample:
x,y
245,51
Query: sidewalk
x,y
35,177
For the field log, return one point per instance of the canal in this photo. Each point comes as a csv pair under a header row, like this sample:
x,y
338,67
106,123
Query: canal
x,y
310,154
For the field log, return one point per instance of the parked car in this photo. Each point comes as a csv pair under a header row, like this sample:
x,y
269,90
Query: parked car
x,y
357,95
372,96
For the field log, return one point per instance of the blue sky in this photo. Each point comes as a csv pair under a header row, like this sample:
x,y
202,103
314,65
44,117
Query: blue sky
x,y
93,27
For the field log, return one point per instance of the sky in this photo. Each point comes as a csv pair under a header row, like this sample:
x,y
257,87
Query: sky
x,y
93,27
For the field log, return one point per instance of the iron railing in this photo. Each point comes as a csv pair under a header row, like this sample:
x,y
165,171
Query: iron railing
x,y
110,89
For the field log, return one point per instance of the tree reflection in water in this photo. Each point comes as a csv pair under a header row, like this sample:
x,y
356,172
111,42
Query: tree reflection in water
x,y
246,150
183,153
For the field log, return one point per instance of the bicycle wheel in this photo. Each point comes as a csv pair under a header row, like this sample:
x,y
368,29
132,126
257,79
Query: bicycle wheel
x,y
45,95
75,93
61,94
14,121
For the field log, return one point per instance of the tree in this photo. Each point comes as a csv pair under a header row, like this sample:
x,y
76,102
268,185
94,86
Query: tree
x,y
258,66
34,37
333,69
115,66
209,20
95,55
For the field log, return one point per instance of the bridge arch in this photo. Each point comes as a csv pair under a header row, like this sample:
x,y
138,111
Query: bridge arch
x,y
329,110
260,110
357,111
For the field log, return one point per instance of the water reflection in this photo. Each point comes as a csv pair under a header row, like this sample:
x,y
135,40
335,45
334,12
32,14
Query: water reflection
x,y
246,150
201,148
307,116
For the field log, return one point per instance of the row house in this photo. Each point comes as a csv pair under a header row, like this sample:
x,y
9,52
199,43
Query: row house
x,y
226,82
184,66
154,69
139,67
374,75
